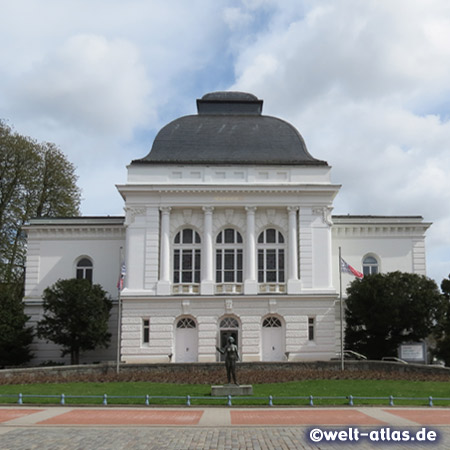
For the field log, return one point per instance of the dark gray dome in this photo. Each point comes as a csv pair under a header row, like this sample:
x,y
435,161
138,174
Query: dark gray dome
x,y
229,129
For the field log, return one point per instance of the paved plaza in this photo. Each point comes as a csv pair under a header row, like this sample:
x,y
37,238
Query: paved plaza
x,y
58,427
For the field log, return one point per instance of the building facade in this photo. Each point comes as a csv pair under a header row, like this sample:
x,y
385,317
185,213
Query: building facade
x,y
227,231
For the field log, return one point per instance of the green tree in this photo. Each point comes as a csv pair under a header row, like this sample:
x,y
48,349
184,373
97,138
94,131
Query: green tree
x,y
36,180
442,349
76,314
385,310
15,336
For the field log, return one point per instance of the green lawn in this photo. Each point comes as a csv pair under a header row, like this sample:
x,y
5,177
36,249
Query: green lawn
x,y
279,391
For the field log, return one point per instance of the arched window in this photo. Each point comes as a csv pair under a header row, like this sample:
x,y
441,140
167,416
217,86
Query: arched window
x,y
85,269
186,257
271,257
370,265
229,256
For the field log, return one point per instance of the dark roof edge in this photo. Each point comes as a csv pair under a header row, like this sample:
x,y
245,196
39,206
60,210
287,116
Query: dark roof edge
x,y
316,162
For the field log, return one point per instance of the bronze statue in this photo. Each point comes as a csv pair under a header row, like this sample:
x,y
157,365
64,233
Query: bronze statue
x,y
231,356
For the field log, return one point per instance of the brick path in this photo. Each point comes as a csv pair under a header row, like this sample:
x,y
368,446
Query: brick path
x,y
205,428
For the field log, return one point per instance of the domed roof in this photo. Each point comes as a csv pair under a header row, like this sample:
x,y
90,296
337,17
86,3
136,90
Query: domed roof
x,y
229,129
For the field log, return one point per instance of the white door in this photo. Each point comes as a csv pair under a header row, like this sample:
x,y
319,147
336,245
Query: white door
x,y
272,340
186,345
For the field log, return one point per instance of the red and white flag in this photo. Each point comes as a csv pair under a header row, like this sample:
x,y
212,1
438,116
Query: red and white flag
x,y
120,282
347,268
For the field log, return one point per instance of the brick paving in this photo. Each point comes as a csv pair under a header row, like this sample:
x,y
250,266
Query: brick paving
x,y
61,428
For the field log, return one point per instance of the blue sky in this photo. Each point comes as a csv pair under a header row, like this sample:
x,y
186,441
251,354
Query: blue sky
x,y
365,82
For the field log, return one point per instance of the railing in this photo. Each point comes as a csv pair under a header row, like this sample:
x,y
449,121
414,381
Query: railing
x,y
270,400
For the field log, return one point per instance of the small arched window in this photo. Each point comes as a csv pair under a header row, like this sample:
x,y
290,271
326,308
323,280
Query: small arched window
x,y
271,256
272,322
84,269
186,322
370,265
229,263
186,257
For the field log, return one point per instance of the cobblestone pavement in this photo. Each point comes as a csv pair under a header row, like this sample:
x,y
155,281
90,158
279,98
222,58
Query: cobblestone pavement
x,y
267,438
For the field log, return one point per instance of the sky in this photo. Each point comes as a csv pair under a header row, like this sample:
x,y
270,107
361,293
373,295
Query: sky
x,y
367,84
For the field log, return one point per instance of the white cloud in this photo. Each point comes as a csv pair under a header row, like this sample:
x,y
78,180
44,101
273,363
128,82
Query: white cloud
x,y
89,84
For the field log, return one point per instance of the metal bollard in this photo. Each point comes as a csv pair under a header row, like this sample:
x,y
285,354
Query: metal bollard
x,y
229,400
63,399
350,400
20,400
188,400
147,400
105,399
430,401
270,400
391,400
311,403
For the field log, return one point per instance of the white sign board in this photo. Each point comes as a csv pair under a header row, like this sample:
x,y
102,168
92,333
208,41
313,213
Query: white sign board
x,y
412,352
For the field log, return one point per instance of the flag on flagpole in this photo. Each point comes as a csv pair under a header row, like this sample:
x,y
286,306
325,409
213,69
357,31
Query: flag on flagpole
x,y
121,277
347,268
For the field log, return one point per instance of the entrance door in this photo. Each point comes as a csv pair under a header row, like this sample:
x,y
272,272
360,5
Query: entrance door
x,y
272,339
229,326
186,347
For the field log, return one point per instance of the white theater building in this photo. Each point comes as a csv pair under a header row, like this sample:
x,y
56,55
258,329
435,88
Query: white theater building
x,y
227,231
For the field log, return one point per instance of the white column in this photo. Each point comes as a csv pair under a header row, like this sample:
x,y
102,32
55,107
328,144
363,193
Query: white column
x,y
163,287
293,284
250,283
207,284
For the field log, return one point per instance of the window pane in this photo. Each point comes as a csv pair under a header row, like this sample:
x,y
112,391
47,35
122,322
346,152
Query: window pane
x,y
187,236
229,276
176,260
280,238
270,259
197,276
218,259
219,238
370,260
84,263
229,236
271,276
281,276
270,236
260,259
281,259
187,260
261,238
366,270
197,238
80,274
88,274
239,259
239,276
229,259
374,270
239,237
197,260
186,277
260,276
177,238
218,276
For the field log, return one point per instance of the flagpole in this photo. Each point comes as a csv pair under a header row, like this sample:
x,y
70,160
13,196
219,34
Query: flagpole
x,y
341,310
119,311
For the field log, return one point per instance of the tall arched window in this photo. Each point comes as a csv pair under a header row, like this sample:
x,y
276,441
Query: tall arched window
x,y
271,256
229,256
85,269
186,257
370,265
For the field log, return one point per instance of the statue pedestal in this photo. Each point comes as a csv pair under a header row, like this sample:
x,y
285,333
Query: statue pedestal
x,y
231,389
